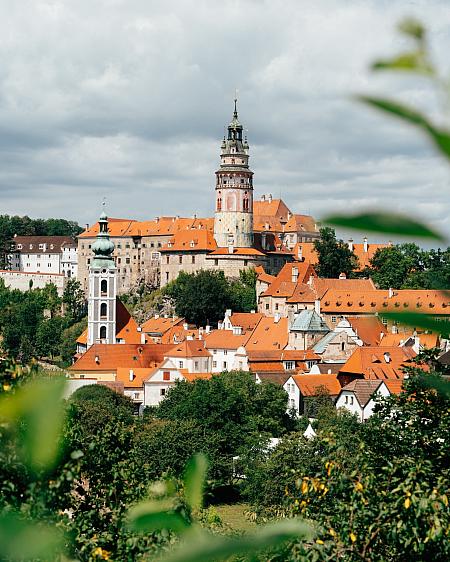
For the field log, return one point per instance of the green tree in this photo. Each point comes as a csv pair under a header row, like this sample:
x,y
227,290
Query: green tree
x,y
334,256
48,336
200,297
74,300
68,344
243,291
393,266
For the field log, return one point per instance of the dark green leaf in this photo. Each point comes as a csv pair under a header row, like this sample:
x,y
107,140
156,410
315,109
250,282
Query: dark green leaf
x,y
409,62
24,540
420,320
384,222
156,515
440,384
39,404
205,547
440,137
194,480
413,28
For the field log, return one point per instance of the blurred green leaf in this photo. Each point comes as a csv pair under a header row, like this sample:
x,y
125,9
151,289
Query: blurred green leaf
x,y
413,28
440,137
205,547
384,222
24,540
420,320
156,515
194,480
40,406
408,62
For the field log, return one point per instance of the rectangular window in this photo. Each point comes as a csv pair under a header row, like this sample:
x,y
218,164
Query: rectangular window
x,y
162,392
167,259
196,365
267,306
166,376
276,306
289,365
180,259
193,259
216,262
214,364
127,260
180,364
167,275
224,365
333,319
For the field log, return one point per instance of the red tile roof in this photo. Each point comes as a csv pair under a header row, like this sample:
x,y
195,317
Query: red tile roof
x,y
311,385
189,348
370,362
369,329
160,325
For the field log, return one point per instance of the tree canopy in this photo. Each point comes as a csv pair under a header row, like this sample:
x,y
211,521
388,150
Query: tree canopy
x,y
334,256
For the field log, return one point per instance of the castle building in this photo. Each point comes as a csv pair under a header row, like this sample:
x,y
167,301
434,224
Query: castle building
x,y
233,219
102,289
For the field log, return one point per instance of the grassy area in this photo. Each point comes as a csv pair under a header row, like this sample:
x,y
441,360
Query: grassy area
x,y
233,516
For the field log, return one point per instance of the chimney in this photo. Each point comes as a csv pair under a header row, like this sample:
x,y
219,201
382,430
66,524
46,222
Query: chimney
x,y
317,306
156,219
381,336
189,337
228,312
310,280
143,341
350,244
387,357
237,330
156,316
300,253
263,197
276,318
252,311
208,329
366,245
185,326
86,226
342,276
269,198
230,248
394,329
219,326
294,274
131,375
391,292
97,359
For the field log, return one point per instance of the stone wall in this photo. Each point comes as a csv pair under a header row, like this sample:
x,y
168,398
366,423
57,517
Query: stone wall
x,y
24,281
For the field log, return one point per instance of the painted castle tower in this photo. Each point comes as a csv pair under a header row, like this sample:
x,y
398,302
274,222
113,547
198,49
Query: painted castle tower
x,y
233,219
102,289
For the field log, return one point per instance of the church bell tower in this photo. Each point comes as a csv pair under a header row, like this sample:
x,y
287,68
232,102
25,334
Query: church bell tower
x,y
102,289
233,218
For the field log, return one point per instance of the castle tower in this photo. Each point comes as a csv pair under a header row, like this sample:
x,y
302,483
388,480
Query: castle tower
x,y
233,218
102,289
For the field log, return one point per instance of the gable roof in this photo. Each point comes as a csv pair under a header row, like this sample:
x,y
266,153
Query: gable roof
x,y
189,348
363,390
309,321
225,339
268,335
159,325
246,320
369,329
283,284
370,362
49,244
310,385
191,241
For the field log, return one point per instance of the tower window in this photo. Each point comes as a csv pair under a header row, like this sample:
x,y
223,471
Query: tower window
x,y
104,287
103,332
103,310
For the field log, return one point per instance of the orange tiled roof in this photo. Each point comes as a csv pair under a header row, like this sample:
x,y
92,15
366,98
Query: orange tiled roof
x,y
395,386
270,208
178,334
190,377
298,223
310,385
191,241
370,362
354,302
224,339
160,324
369,329
268,335
189,348
283,285
237,252
110,357
246,320
140,375
162,226
82,340
309,253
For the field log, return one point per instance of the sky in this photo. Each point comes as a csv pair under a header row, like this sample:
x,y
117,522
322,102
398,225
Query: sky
x,y
128,99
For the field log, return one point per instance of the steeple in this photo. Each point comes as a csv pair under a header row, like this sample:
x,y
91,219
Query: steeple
x,y
233,218
102,288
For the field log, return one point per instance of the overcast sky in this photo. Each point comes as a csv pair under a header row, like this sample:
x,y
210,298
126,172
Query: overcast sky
x,y
127,99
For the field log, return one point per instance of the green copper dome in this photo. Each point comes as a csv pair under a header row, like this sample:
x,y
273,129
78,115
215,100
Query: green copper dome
x,y
103,247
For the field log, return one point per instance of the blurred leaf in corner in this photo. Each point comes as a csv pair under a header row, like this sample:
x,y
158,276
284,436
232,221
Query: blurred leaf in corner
x,y
150,516
194,481
407,62
386,223
204,547
39,406
22,540
440,137
420,320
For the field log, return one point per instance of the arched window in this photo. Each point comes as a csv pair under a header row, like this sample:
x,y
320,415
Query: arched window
x,y
103,310
219,204
342,346
104,287
103,332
